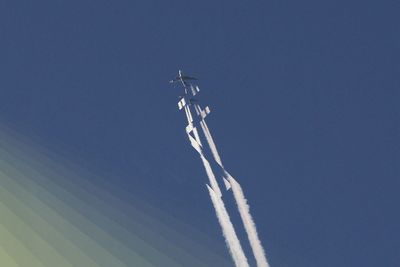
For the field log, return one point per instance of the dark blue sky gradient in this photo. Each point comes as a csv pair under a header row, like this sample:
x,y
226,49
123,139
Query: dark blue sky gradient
x,y
304,98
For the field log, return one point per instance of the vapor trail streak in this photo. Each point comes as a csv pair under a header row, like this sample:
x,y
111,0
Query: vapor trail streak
x,y
211,143
231,239
213,148
228,231
248,223
241,203
211,176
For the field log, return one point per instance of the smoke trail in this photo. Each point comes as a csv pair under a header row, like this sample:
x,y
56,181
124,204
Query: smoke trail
x,y
228,231
248,222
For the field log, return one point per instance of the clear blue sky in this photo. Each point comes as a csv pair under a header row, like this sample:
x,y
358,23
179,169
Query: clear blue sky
x,y
304,98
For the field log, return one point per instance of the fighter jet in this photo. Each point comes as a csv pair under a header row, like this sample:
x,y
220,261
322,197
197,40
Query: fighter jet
x,y
182,78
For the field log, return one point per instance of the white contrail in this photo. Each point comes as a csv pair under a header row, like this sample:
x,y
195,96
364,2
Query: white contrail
x,y
211,176
211,143
228,231
213,149
231,239
248,223
241,203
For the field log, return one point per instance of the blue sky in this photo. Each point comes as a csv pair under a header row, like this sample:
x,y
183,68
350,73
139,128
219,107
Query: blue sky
x,y
304,98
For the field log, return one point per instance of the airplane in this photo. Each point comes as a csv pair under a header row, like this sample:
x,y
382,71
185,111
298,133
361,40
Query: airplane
x,y
182,78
